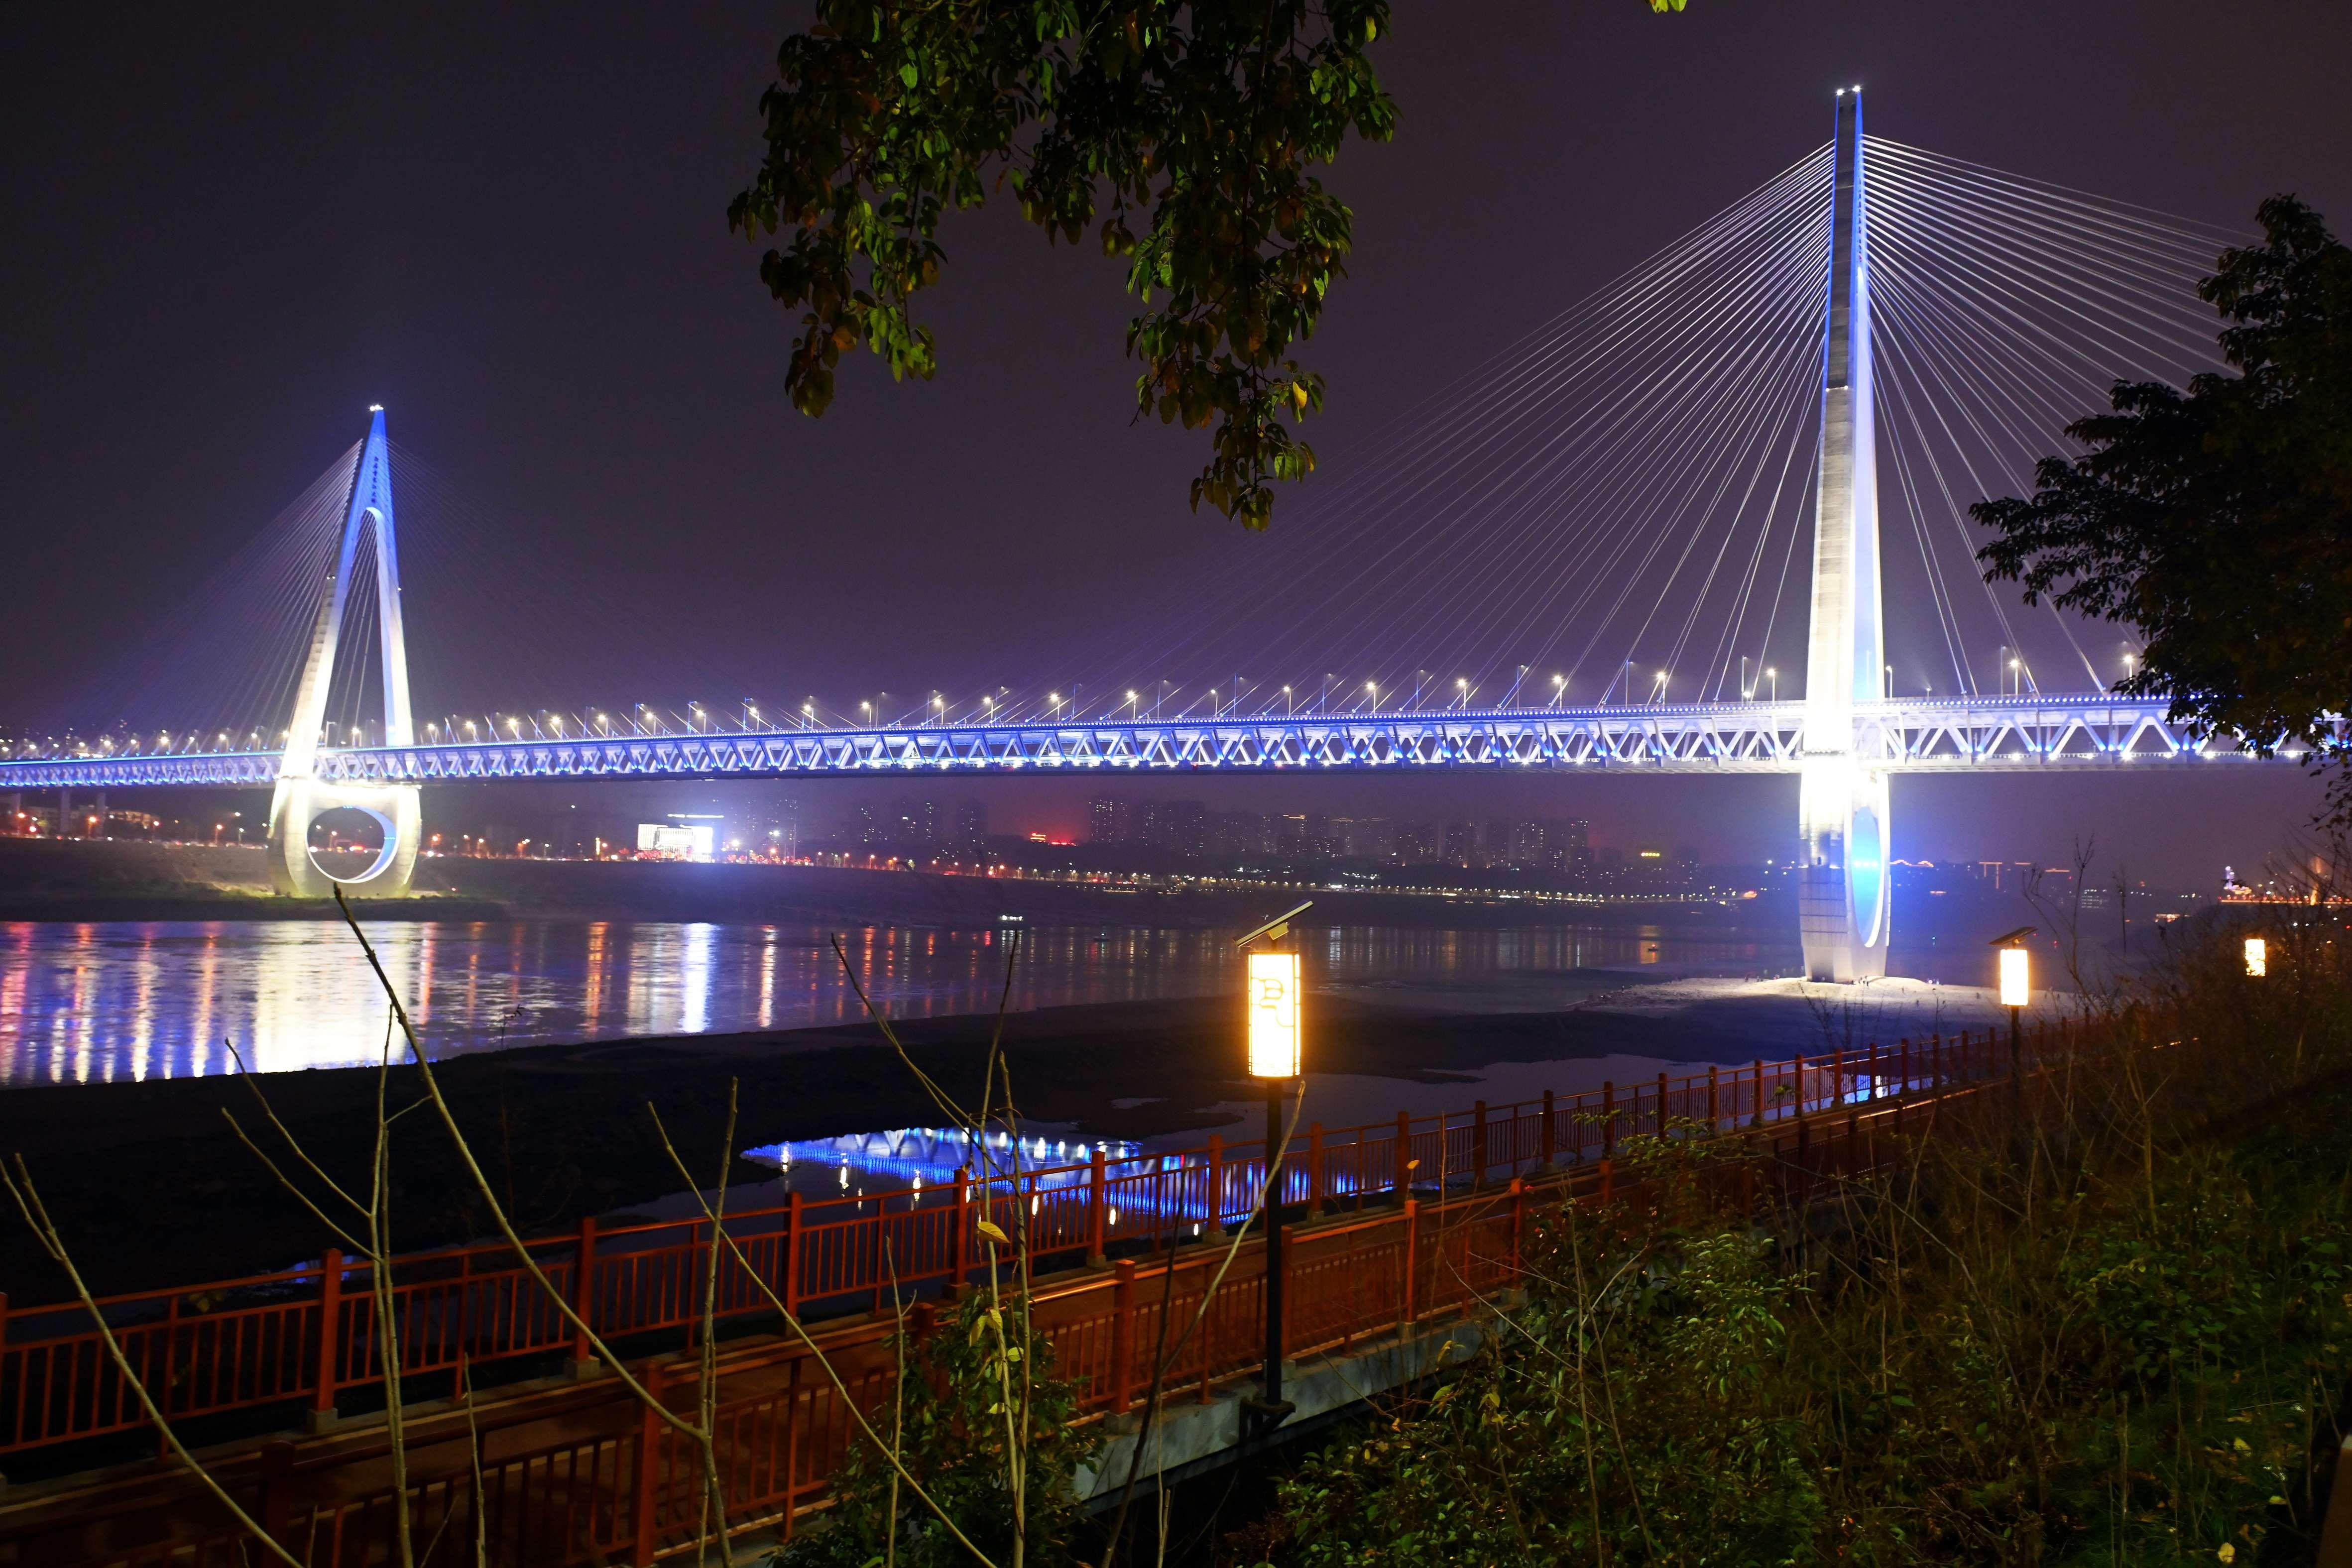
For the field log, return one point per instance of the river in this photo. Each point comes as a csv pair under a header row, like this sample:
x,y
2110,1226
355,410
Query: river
x,y
102,1002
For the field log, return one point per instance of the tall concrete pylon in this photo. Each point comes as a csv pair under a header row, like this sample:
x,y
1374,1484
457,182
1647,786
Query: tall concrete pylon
x,y
1842,802
300,796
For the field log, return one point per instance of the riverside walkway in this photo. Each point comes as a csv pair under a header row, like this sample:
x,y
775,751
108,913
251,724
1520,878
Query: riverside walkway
x,y
1393,1228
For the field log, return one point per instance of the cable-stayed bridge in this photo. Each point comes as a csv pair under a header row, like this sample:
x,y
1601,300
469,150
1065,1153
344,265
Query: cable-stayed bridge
x,y
1627,476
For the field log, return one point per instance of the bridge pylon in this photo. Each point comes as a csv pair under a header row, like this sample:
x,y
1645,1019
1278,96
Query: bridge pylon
x,y
1842,895
301,797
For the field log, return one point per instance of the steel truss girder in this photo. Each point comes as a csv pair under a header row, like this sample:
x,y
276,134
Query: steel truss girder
x,y
2030,734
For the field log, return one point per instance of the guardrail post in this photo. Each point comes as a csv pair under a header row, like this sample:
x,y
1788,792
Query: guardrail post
x,y
1315,1178
1411,1258
1713,1102
1607,1118
1837,1076
583,1297
1608,1180
1550,1132
962,1225
1216,1185
1873,1095
1403,1160
1756,1111
1097,1204
792,1233
1122,1337
1661,1104
1797,1075
1478,1144
330,1338
1519,1222
645,1504
1282,1311
276,1491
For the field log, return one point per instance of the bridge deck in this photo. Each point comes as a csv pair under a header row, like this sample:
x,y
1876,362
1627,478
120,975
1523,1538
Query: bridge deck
x,y
2030,734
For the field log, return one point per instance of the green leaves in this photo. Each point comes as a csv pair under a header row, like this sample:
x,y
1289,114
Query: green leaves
x,y
955,1445
1188,133
2218,520
1202,122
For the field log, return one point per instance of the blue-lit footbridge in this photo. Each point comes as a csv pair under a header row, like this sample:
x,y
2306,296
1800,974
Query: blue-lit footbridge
x,y
1753,454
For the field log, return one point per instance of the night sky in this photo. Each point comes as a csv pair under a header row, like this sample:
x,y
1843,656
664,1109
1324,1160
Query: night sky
x,y
230,232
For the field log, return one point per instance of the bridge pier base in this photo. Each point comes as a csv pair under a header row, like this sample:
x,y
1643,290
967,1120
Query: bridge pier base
x,y
1842,883
299,802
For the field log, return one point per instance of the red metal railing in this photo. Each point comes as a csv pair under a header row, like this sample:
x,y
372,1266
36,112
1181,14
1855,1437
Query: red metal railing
x,y
311,1334
578,1474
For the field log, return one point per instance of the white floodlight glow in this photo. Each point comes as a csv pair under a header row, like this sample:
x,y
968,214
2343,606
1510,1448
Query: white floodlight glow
x,y
2258,957
2015,973
1274,1015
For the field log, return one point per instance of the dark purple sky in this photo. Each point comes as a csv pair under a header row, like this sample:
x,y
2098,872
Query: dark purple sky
x,y
231,231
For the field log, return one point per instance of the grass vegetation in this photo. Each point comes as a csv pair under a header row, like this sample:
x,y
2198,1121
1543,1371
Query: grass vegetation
x,y
2112,1327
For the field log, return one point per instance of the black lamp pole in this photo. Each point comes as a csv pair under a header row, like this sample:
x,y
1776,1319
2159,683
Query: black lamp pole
x,y
1270,1392
1279,1065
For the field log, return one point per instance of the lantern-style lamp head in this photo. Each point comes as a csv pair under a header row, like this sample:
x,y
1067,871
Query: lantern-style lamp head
x,y
1274,1037
2016,966
2258,957
1274,1015
2015,977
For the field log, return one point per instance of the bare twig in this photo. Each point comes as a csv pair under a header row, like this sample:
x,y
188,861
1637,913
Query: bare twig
x,y
27,1197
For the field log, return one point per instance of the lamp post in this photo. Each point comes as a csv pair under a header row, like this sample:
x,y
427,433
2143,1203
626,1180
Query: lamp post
x,y
2016,976
1274,1060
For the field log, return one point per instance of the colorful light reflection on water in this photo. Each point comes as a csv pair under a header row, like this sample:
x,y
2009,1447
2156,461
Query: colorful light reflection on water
x,y
102,1002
